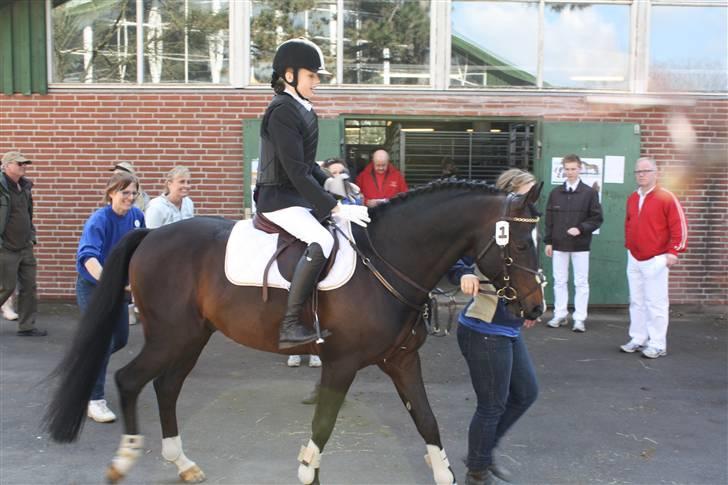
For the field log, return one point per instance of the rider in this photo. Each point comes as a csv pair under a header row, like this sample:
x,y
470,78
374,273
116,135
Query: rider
x,y
291,188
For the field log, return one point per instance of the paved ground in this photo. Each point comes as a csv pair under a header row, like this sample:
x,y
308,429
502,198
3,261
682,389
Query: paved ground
x,y
602,416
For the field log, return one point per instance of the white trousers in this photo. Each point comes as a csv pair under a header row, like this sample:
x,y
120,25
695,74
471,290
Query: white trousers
x,y
580,263
301,223
649,305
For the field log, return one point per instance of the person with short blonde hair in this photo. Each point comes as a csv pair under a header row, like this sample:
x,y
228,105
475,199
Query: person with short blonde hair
x,y
513,179
174,204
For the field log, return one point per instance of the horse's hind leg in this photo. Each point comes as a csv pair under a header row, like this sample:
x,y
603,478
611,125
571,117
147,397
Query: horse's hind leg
x,y
168,386
406,373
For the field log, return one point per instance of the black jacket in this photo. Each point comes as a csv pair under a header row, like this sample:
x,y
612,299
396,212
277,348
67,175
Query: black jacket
x,y
564,210
26,185
288,174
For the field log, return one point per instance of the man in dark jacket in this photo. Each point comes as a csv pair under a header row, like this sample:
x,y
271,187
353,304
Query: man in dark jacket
x,y
17,236
573,213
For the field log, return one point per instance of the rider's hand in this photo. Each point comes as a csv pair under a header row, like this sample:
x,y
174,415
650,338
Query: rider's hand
x,y
358,214
549,250
469,284
573,231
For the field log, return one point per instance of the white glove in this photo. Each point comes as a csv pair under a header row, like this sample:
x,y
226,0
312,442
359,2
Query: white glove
x,y
358,214
337,185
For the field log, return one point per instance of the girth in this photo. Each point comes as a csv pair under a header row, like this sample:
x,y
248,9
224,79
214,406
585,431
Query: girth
x,y
289,251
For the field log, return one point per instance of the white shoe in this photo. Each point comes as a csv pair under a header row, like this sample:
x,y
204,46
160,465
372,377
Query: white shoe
x,y
314,361
653,352
631,347
132,315
557,322
294,361
578,326
100,412
7,310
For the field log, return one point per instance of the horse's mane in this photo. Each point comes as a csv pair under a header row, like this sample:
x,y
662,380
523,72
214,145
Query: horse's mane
x,y
436,186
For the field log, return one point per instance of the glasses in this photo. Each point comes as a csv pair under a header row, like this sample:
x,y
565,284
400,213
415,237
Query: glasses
x,y
641,172
129,193
21,164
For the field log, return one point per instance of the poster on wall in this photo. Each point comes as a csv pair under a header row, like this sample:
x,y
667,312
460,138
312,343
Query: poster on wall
x,y
592,171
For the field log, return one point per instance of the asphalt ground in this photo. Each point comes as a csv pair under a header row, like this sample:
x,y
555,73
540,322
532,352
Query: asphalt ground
x,y
602,416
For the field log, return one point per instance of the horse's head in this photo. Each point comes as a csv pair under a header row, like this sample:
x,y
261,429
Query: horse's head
x,y
509,257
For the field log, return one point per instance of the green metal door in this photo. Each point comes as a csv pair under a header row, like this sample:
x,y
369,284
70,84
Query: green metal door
x,y
611,150
329,146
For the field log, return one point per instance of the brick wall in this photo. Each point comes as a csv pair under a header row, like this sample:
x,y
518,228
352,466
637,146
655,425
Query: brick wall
x,y
74,136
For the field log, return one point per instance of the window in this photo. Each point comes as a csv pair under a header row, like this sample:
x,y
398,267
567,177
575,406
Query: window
x,y
688,49
179,41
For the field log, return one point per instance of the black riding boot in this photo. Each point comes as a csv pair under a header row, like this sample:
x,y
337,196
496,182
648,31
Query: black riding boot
x,y
302,286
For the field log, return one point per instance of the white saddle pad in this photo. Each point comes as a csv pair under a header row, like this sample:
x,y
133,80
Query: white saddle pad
x,y
249,250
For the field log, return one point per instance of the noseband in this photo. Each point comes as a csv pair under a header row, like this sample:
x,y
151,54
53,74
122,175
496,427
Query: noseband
x,y
508,292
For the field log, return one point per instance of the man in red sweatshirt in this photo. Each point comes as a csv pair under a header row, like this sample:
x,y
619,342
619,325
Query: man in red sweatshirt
x,y
380,180
655,232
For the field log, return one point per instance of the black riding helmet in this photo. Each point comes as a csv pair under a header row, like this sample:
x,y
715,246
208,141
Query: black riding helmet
x,y
296,54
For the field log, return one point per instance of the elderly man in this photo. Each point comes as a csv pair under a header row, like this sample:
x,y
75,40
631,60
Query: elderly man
x,y
655,231
380,180
17,237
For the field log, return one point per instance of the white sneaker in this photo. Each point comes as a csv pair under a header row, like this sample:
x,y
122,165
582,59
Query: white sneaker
x,y
7,310
578,326
314,361
294,361
653,352
132,315
631,347
557,322
100,412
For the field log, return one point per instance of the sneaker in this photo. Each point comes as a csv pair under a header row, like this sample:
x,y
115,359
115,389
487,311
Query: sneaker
x,y
578,326
653,352
7,310
631,347
100,412
132,315
294,361
314,361
557,322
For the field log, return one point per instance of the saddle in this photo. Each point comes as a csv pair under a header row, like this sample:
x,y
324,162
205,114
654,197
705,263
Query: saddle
x,y
289,251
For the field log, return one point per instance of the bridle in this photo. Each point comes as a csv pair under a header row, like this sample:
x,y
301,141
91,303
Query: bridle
x,y
502,240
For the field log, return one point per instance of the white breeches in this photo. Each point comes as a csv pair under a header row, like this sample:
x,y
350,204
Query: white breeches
x,y
580,263
649,305
301,223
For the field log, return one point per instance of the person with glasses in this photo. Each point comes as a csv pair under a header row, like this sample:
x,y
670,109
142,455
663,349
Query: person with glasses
x,y
573,213
142,200
101,232
655,232
17,238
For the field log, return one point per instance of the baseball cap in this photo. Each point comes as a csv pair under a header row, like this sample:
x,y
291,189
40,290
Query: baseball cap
x,y
125,166
15,157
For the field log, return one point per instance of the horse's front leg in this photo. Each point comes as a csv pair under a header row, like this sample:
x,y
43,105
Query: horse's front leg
x,y
336,378
405,371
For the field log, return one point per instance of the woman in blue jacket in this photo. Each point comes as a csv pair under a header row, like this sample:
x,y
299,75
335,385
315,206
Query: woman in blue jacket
x,y
102,231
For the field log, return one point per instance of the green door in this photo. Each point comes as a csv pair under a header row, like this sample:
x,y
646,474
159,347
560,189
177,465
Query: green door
x,y
611,150
329,146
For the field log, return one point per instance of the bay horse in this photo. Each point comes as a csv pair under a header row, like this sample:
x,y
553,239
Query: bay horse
x,y
178,282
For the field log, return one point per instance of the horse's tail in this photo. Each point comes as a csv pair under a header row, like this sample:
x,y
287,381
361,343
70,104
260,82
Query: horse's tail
x,y
80,366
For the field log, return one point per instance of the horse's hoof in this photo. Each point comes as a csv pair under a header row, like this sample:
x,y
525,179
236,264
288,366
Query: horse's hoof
x,y
192,475
113,475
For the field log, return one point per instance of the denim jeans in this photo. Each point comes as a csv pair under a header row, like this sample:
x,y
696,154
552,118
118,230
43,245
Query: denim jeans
x,y
505,387
119,336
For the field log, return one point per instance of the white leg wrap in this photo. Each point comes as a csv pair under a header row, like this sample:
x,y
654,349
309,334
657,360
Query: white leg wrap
x,y
310,459
437,459
129,450
172,451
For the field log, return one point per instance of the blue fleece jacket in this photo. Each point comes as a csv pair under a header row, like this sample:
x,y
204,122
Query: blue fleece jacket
x,y
101,233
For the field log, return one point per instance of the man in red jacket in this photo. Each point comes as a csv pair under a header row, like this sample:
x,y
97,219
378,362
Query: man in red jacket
x,y
380,180
655,232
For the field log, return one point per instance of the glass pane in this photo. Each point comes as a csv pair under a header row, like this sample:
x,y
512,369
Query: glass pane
x,y
386,42
688,49
586,46
484,49
186,41
273,22
94,41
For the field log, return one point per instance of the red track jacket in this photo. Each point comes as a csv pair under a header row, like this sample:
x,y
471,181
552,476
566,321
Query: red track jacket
x,y
659,228
391,184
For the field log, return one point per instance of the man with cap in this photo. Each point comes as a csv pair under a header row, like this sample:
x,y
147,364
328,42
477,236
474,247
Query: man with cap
x,y
291,189
142,200
17,237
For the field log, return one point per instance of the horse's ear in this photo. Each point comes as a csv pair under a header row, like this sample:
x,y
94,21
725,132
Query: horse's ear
x,y
533,194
